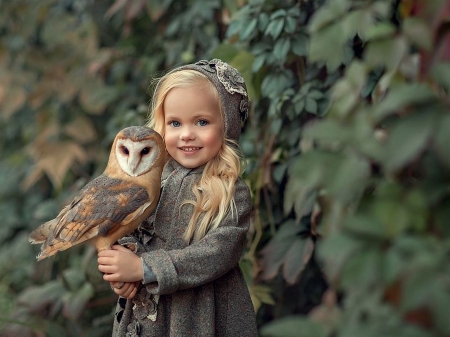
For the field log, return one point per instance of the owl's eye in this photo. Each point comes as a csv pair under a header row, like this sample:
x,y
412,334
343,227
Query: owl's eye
x,y
125,150
145,150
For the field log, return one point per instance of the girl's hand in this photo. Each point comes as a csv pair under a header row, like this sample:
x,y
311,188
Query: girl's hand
x,y
120,264
126,289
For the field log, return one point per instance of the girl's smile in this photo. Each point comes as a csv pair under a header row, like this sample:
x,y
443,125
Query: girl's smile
x,y
189,149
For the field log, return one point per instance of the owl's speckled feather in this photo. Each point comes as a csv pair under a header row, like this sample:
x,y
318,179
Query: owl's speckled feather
x,y
113,204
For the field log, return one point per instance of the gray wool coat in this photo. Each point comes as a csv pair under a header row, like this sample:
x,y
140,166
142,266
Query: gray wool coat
x,y
200,290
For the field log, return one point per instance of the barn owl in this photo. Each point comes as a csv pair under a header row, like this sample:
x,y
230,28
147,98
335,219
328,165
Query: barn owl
x,y
113,204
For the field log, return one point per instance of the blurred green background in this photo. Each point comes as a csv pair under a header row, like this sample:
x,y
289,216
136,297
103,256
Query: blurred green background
x,y
347,153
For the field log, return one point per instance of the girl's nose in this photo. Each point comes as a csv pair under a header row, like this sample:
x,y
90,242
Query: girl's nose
x,y
187,134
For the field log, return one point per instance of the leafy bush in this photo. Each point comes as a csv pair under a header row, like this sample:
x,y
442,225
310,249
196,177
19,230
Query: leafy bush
x,y
346,152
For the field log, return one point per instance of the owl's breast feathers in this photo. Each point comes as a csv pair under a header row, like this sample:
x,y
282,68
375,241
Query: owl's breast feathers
x,y
106,208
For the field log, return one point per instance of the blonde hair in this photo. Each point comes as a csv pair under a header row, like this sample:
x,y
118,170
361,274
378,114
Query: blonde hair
x,y
215,191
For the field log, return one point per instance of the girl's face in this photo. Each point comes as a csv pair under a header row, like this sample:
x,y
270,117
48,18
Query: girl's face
x,y
193,126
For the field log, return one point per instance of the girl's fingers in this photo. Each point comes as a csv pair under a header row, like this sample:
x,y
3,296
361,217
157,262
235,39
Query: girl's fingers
x,y
120,248
111,277
106,269
106,253
125,289
104,260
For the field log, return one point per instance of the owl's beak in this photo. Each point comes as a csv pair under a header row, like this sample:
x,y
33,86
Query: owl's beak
x,y
133,162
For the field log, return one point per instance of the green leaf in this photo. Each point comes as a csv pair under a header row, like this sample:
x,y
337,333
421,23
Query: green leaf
x,y
336,249
258,63
403,96
249,29
76,302
382,30
387,53
441,73
328,45
417,290
37,298
281,49
407,139
73,278
225,52
95,96
157,8
362,269
440,308
300,45
316,94
296,259
441,216
263,21
274,84
311,105
280,13
328,131
291,24
326,15
294,326
366,226
349,179
275,27
273,254
442,139
418,32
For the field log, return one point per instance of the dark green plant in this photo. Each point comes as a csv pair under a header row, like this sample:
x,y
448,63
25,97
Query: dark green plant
x,y
378,172
346,152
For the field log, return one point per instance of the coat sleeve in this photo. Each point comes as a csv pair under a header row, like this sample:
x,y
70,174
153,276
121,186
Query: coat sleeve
x,y
207,259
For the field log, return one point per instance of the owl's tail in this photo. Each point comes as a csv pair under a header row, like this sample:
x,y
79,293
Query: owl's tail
x,y
48,250
40,234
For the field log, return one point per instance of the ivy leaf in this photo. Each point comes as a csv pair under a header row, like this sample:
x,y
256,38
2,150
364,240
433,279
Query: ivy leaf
x,y
275,27
311,106
418,32
281,49
300,45
76,301
386,53
249,29
291,24
441,73
442,139
282,248
296,259
328,45
403,96
280,13
407,138
95,96
37,298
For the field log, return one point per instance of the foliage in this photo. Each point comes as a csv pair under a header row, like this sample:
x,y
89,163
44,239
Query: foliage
x,y
346,152
377,172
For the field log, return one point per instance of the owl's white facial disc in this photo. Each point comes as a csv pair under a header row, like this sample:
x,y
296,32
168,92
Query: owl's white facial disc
x,y
136,158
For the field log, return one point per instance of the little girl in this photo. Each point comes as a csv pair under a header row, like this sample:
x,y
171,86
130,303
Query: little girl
x,y
179,275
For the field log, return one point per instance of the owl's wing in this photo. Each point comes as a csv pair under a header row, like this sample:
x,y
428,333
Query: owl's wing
x,y
100,207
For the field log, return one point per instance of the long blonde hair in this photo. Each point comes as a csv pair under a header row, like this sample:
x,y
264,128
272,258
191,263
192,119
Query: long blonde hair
x,y
215,191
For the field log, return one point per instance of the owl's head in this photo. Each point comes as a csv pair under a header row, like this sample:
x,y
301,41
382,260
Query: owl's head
x,y
137,149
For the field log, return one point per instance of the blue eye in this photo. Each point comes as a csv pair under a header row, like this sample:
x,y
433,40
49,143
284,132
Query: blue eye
x,y
202,122
175,124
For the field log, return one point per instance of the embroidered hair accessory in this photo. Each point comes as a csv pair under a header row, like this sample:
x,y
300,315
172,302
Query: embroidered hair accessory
x,y
232,92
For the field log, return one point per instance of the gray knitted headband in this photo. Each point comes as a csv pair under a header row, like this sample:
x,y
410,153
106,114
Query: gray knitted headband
x,y
232,92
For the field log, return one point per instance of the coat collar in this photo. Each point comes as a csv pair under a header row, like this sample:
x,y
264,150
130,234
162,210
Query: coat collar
x,y
173,167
